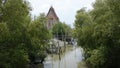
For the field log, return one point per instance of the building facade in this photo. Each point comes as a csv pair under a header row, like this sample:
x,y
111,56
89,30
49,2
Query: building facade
x,y
52,18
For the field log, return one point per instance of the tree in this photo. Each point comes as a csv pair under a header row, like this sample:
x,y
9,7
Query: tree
x,y
100,38
21,39
14,44
60,30
39,37
83,27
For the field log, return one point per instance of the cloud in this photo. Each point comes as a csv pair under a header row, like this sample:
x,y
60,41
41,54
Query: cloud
x,y
65,9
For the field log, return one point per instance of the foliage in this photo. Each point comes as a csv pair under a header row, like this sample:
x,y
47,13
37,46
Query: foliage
x,y
98,33
60,30
39,37
14,40
19,37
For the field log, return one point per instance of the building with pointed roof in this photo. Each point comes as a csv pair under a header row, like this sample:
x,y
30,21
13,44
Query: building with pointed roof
x,y
52,18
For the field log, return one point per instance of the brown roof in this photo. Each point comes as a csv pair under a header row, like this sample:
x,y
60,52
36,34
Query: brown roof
x,y
53,11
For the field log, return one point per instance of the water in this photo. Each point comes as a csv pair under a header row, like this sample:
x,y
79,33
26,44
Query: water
x,y
72,58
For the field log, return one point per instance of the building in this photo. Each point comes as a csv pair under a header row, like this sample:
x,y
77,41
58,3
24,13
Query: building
x,y
52,18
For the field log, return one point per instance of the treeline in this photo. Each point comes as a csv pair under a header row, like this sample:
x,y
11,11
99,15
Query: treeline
x,y
21,38
98,32
62,31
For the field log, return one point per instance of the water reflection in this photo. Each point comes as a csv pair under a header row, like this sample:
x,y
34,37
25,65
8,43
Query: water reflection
x,y
69,59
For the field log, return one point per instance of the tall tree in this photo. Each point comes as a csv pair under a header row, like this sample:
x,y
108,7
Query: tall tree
x,y
14,53
101,39
40,36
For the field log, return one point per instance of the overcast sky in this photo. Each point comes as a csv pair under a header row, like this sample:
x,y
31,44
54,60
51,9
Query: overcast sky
x,y
65,9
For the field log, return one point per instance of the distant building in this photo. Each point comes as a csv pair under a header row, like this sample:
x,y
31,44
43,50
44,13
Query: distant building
x,y
52,18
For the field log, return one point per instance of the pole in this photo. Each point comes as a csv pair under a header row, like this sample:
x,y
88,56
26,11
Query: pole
x,y
64,42
58,46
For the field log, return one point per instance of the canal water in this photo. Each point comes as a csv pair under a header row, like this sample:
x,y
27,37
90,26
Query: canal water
x,y
71,58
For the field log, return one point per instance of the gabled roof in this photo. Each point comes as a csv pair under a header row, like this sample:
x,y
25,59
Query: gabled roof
x,y
53,11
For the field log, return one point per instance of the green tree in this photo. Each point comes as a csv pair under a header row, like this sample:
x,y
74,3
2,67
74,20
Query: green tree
x,y
60,30
100,39
20,37
16,42
40,36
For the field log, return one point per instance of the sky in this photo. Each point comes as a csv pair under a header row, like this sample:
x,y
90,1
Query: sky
x,y
65,9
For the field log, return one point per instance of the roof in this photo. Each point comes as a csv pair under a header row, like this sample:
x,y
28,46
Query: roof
x,y
53,11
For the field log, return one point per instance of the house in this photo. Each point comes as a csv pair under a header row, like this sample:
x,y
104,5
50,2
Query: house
x,y
52,18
